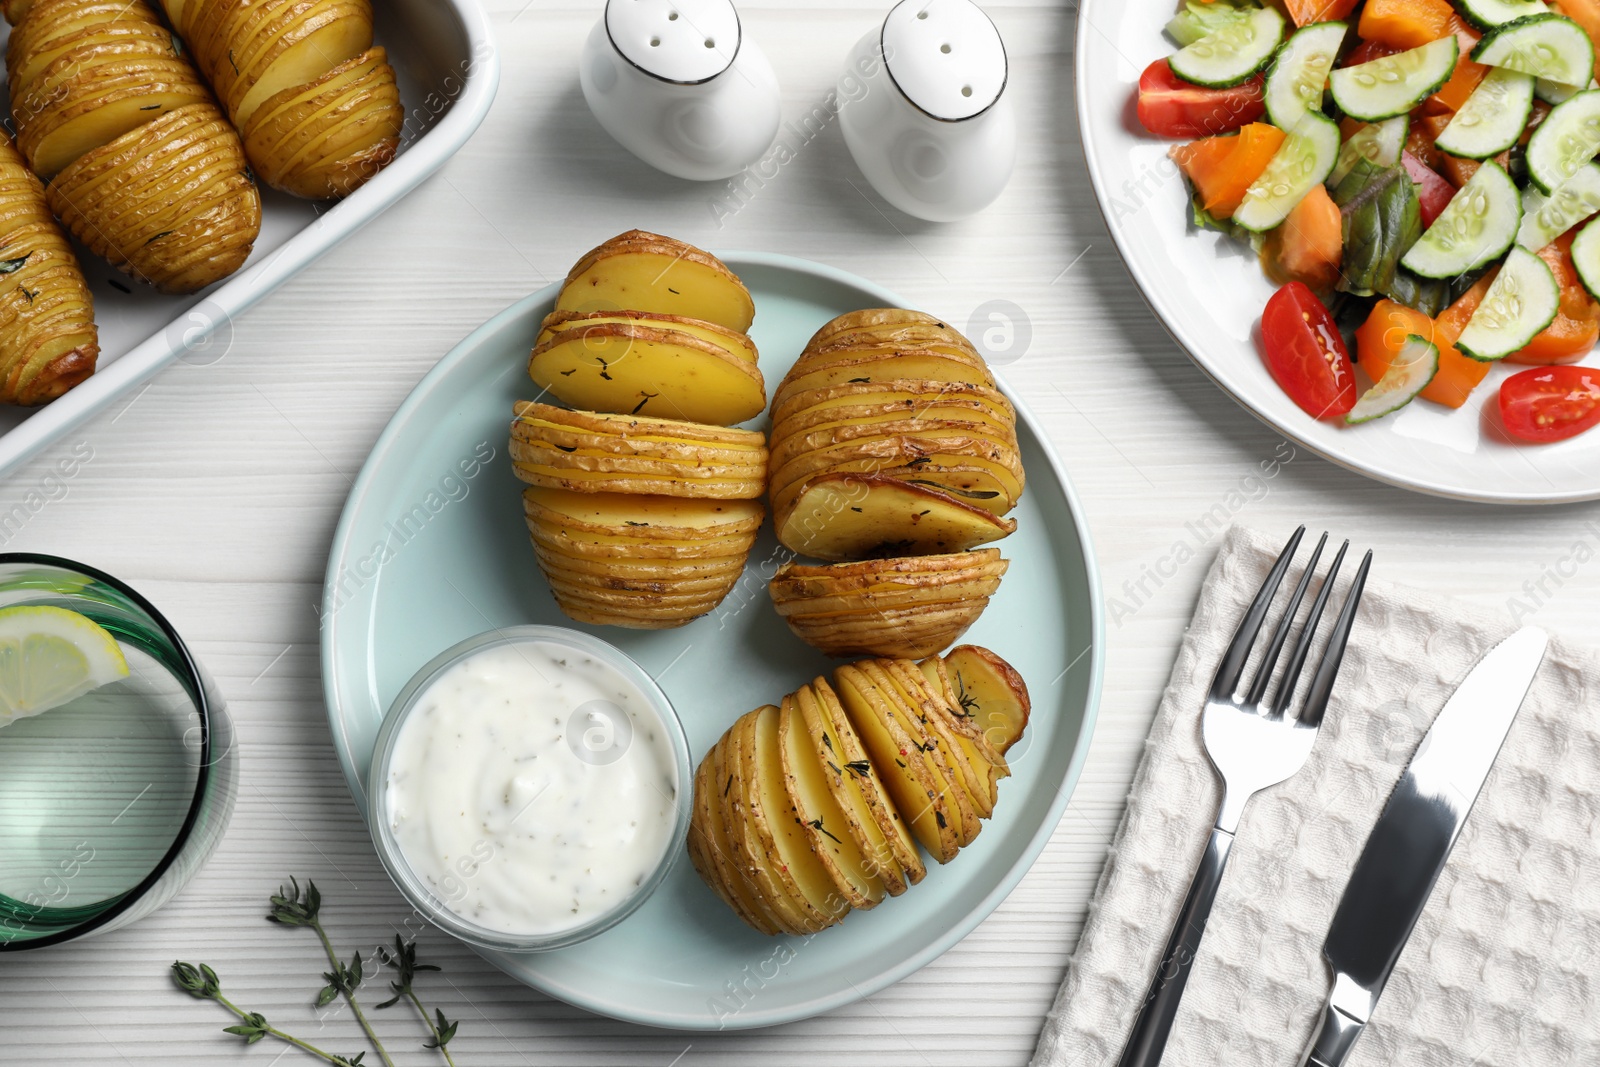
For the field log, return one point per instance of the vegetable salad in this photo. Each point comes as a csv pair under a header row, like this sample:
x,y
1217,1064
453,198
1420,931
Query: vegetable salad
x,y
1417,176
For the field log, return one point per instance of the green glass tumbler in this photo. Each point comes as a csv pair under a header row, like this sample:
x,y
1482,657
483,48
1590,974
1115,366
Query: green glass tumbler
x,y
108,804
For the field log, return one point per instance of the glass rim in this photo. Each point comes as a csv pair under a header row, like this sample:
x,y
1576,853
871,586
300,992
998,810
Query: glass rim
x,y
410,884
203,708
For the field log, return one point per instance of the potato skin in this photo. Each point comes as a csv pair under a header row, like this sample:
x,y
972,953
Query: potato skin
x,y
48,342
170,203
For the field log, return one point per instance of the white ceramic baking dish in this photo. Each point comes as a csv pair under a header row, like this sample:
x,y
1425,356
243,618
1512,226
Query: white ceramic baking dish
x,y
444,54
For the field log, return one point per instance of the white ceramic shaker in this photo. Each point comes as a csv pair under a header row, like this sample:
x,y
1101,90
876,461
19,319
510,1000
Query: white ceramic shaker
x,y
924,111
678,84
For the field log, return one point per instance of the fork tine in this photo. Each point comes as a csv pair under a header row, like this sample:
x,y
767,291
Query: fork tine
x,y
1302,646
1258,688
1244,638
1322,682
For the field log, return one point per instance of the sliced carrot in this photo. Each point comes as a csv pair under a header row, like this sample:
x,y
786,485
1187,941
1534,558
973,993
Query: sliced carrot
x,y
1308,245
1576,327
1405,23
1223,167
1305,12
1420,137
1458,375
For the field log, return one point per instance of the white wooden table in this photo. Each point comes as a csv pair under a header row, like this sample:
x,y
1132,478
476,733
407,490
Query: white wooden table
x,y
215,492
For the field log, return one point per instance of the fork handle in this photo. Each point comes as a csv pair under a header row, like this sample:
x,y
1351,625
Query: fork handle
x,y
1150,1030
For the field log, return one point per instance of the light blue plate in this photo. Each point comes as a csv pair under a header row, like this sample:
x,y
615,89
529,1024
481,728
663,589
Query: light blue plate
x,y
432,549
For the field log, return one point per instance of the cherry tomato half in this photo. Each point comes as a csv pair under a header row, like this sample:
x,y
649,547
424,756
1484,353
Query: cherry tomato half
x,y
1550,403
1306,354
1172,107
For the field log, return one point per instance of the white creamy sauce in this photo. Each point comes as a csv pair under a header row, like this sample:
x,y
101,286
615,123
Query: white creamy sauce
x,y
533,788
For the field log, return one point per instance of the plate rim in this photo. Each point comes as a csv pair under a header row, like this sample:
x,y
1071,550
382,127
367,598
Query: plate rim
x,y
936,947
1174,328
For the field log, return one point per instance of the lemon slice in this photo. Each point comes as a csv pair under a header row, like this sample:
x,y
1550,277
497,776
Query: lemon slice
x,y
49,656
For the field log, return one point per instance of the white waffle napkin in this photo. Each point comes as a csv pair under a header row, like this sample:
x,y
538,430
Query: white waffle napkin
x,y
1503,970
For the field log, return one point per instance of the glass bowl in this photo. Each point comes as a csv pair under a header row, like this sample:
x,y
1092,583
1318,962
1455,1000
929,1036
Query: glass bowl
x,y
108,804
426,897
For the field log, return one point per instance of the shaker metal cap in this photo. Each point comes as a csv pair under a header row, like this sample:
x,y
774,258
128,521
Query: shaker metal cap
x,y
682,41
946,56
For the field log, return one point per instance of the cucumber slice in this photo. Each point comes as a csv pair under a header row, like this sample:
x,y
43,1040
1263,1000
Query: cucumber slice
x,y
1232,54
1413,368
1300,72
1493,117
1487,14
1567,139
1586,257
1546,46
1554,93
1522,300
1393,85
1544,218
1304,159
1379,142
1198,19
1475,228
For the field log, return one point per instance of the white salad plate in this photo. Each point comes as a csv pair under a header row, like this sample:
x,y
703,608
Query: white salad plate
x,y
1208,290
447,70
432,548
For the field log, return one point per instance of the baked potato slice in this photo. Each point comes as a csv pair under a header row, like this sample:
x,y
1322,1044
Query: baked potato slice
x,y
783,860
274,45
817,814
638,433
328,137
640,271
648,518
887,321
625,569
169,202
928,702
920,792
753,857
744,889
887,597
980,753
908,633
887,844
836,579
33,53
991,691
880,370
573,476
813,409
631,369
99,106
854,516
738,344
607,549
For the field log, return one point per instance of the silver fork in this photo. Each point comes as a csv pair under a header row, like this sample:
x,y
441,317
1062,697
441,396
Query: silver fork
x,y
1252,744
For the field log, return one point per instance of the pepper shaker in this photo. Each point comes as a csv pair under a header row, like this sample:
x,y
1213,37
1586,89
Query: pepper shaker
x,y
679,85
924,111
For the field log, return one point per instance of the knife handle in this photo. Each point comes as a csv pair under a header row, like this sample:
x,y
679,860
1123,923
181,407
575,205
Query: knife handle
x,y
1151,1029
1334,1038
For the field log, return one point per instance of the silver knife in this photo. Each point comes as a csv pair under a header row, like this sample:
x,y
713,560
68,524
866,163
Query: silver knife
x,y
1413,837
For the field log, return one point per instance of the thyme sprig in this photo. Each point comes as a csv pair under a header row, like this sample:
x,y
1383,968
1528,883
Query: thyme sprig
x,y
292,909
202,983
404,960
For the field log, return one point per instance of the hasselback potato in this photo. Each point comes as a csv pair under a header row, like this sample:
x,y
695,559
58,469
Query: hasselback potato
x,y
141,165
47,335
315,101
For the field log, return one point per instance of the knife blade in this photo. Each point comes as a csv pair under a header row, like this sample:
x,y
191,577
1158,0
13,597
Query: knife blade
x,y
1412,839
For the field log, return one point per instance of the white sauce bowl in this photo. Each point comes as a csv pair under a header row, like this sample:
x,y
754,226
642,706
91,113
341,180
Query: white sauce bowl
x,y
530,788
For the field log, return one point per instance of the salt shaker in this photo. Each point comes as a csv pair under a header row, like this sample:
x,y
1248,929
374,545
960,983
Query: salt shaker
x,y
679,85
924,111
